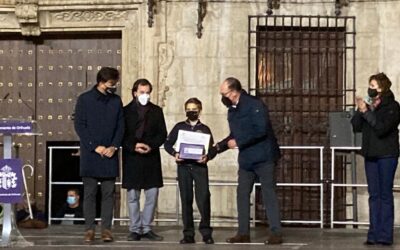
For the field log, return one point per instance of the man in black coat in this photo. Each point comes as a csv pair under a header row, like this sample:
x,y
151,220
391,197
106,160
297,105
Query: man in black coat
x,y
145,132
99,124
251,132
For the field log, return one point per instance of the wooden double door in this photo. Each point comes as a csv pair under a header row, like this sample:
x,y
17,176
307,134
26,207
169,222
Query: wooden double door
x,y
40,79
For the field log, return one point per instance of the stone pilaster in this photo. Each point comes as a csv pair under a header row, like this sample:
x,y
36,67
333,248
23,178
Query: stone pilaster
x,y
27,14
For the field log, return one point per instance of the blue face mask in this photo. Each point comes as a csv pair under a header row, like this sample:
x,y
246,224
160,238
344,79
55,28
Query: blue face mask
x,y
71,200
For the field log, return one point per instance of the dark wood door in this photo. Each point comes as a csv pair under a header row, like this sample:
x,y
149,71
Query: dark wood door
x,y
44,78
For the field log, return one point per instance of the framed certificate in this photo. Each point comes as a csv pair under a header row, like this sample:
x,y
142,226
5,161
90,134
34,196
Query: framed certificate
x,y
190,137
191,151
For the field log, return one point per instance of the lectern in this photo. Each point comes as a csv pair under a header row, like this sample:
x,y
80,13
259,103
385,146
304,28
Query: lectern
x,y
9,128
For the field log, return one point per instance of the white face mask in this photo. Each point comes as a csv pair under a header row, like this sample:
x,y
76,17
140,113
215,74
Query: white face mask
x,y
143,99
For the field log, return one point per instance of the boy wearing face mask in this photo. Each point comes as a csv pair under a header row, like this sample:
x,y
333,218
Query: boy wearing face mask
x,y
71,209
190,171
145,132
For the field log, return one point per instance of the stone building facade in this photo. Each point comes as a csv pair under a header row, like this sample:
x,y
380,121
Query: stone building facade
x,y
182,65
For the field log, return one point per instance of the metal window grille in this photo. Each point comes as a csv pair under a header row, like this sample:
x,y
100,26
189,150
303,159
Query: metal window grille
x,y
302,67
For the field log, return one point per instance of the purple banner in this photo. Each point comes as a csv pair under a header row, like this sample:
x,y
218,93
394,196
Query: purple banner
x,y
14,127
11,182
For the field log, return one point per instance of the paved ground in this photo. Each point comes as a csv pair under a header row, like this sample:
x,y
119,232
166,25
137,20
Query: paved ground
x,y
71,237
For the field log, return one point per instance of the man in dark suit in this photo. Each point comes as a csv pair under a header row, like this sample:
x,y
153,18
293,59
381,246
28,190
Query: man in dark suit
x,y
99,124
145,132
251,132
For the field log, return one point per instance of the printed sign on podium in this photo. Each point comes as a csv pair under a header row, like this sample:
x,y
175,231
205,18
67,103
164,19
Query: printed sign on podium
x,y
10,180
15,127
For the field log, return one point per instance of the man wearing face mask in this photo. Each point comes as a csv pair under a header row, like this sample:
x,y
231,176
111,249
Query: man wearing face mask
x,y
190,171
99,124
251,132
71,209
377,118
145,132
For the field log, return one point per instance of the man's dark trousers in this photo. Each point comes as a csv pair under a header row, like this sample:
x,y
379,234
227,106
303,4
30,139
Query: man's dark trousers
x,y
89,201
265,173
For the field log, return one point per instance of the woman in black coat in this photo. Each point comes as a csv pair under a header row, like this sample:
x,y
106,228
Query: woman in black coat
x,y
378,118
145,132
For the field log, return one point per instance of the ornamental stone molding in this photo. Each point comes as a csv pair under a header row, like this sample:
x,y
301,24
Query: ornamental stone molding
x,y
166,54
26,12
90,16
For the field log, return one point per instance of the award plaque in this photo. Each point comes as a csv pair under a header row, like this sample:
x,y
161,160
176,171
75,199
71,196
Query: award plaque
x,y
189,151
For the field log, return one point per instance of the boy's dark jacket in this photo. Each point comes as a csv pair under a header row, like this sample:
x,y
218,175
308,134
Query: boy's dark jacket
x,y
185,125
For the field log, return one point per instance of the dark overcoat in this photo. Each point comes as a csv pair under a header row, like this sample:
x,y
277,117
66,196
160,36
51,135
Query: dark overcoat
x,y
98,122
143,171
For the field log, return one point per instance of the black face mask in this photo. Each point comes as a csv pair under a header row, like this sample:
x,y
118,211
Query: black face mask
x,y
192,115
372,93
226,101
111,90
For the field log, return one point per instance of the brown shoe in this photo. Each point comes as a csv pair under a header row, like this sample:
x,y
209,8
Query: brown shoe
x,y
274,239
106,236
32,223
89,236
39,224
239,239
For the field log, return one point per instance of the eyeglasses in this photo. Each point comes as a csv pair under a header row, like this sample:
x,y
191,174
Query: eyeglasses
x,y
226,93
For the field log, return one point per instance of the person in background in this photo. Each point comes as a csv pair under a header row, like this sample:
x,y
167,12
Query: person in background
x,y
145,132
251,132
99,124
72,208
377,118
191,170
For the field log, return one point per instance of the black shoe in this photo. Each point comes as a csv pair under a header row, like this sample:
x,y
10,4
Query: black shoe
x,y
208,240
187,240
385,243
133,236
150,235
369,243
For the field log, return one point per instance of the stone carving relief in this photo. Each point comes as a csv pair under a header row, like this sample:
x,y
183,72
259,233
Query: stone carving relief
x,y
90,16
27,14
166,55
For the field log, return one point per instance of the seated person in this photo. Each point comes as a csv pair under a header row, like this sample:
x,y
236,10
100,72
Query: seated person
x,y
72,208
